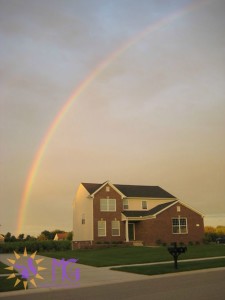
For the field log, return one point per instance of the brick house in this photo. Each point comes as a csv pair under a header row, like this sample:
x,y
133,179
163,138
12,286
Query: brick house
x,y
145,215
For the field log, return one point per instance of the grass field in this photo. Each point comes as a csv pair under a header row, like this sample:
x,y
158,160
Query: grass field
x,y
8,284
134,255
2,269
169,268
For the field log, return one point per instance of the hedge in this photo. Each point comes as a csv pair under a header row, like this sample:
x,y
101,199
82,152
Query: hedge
x,y
32,246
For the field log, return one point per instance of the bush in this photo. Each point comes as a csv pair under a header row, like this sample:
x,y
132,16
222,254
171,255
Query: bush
x,y
32,246
158,242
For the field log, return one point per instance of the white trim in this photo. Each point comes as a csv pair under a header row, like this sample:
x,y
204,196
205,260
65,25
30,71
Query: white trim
x,y
189,207
112,186
124,218
165,208
179,225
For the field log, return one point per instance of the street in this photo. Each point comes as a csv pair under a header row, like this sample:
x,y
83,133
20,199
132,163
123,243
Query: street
x,y
193,285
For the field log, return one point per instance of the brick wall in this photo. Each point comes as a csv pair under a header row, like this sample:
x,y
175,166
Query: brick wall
x,y
108,216
160,229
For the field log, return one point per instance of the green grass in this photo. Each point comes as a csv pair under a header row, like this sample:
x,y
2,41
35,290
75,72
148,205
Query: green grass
x,y
7,285
2,269
134,255
169,268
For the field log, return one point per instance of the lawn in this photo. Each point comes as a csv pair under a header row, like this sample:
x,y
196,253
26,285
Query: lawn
x,y
3,270
169,268
134,255
8,284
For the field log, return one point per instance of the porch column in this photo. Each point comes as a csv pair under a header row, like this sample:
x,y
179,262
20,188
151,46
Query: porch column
x,y
127,233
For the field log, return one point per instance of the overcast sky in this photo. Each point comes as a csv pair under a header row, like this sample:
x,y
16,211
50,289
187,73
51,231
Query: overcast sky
x,y
154,116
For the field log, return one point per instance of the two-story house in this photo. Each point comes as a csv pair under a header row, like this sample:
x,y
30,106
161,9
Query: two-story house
x,y
132,213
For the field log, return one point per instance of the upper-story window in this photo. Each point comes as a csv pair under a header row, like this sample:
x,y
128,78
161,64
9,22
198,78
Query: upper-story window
x,y
144,204
107,204
125,204
107,188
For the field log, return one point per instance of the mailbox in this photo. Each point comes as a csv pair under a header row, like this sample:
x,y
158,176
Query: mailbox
x,y
176,251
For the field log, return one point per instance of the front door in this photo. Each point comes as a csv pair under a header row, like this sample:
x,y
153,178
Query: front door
x,y
131,231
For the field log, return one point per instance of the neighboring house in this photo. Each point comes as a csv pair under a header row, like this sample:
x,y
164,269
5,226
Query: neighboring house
x,y
61,236
132,213
2,238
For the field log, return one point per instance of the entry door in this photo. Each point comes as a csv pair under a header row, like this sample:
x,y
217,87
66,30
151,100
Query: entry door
x,y
131,230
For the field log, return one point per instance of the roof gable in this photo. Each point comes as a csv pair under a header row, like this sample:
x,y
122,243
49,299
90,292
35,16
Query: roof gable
x,y
91,187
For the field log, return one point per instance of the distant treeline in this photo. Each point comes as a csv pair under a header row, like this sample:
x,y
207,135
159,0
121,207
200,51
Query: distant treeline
x,y
44,236
213,233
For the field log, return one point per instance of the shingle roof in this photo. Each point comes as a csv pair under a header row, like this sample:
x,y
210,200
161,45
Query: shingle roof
x,y
143,191
91,187
151,212
133,190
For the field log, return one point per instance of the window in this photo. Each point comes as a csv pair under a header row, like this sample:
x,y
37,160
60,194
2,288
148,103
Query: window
x,y
107,188
101,228
178,208
179,225
115,228
83,219
144,204
125,204
108,204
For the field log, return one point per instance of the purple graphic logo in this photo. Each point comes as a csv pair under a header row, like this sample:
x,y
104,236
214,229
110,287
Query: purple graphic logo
x,y
56,273
24,270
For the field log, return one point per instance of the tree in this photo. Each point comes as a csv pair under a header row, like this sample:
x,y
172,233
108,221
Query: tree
x,y
70,236
30,238
47,234
21,236
8,237
41,237
13,238
220,230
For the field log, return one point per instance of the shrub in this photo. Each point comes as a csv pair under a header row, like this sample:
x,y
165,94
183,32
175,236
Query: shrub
x,y
33,246
158,242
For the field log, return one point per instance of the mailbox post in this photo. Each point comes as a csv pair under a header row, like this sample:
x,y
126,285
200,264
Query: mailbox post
x,y
176,251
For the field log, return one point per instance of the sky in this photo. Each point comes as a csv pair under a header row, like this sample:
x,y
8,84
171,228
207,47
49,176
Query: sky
x,y
153,115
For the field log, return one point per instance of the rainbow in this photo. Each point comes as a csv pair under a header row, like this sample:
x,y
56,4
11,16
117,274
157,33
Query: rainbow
x,y
78,91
